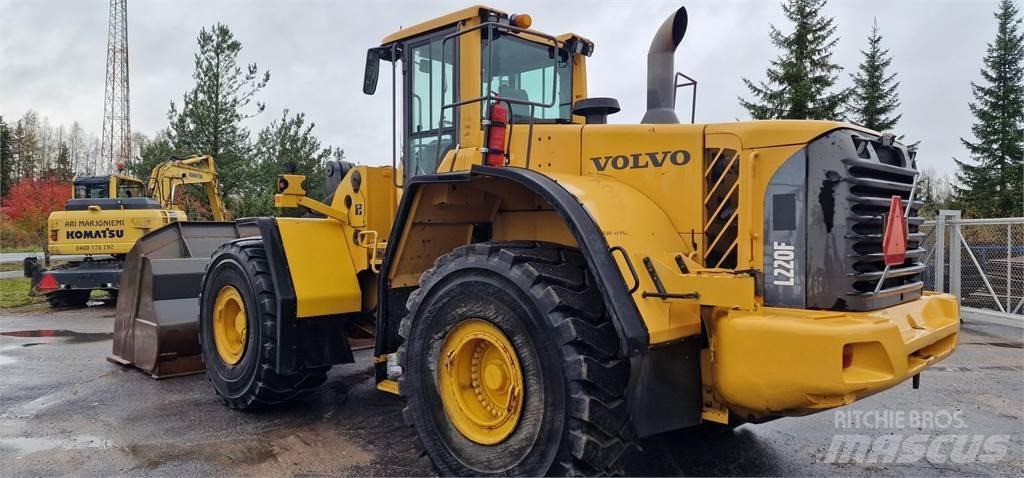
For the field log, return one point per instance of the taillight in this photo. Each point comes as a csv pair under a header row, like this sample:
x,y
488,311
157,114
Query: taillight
x,y
48,282
53,235
496,135
847,355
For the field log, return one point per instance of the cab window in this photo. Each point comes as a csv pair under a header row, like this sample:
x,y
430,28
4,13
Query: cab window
x,y
524,70
92,190
129,189
428,92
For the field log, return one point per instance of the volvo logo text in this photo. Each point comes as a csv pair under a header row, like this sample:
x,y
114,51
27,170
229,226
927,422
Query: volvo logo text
x,y
654,159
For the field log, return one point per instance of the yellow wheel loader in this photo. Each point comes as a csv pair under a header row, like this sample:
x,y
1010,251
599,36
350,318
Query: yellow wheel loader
x,y
547,287
105,217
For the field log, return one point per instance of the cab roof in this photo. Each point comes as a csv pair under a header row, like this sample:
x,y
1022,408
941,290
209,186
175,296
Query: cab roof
x,y
476,11
440,22
98,180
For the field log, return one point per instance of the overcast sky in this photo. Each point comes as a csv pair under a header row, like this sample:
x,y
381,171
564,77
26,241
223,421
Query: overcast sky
x,y
52,58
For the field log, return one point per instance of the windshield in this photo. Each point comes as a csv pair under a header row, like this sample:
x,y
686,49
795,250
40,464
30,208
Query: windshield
x,y
92,190
524,70
129,189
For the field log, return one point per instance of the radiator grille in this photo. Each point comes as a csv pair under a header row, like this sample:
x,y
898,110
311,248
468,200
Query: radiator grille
x,y
721,201
874,175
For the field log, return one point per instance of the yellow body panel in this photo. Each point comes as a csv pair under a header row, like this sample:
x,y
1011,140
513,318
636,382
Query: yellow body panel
x,y
674,187
325,256
790,362
632,221
320,263
108,231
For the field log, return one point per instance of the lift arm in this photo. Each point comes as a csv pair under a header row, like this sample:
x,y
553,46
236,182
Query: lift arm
x,y
168,175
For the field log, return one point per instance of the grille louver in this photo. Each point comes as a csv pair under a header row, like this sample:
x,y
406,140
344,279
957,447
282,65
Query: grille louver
x,y
721,200
875,175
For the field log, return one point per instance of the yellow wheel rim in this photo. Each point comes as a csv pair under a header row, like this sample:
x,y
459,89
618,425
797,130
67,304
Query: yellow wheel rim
x,y
480,381
229,325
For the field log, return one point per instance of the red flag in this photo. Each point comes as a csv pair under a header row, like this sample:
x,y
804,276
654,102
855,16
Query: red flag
x,y
894,242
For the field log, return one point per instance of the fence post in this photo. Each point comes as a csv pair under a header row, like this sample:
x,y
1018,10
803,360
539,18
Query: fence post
x,y
953,217
940,253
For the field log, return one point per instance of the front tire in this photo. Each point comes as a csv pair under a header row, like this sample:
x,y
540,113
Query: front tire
x,y
237,330
540,300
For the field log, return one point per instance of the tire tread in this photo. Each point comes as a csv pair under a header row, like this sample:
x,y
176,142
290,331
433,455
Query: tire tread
x,y
269,387
599,432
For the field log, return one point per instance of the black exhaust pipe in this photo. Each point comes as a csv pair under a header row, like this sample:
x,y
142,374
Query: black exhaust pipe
x,y
661,70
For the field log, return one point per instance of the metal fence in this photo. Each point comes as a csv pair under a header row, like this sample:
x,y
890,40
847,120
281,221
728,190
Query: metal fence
x,y
981,261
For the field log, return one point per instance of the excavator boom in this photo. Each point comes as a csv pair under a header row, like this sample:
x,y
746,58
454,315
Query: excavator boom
x,y
168,176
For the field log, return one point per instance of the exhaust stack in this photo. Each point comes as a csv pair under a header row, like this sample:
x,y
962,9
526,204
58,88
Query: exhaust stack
x,y
661,70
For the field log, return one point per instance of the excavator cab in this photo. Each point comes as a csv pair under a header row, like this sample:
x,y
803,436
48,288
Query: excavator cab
x,y
107,187
114,191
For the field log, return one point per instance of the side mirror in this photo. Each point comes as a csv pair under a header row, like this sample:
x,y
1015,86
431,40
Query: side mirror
x,y
372,71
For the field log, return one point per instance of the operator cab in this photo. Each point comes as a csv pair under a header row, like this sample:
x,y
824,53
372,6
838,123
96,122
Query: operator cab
x,y
114,191
456,68
96,187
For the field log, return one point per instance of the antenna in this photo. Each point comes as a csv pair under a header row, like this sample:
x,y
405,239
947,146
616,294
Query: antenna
x,y
117,142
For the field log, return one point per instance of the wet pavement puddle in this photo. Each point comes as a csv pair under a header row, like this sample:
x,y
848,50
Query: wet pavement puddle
x,y
70,335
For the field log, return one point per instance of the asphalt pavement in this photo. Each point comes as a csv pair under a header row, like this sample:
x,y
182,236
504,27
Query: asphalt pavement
x,y
18,256
64,410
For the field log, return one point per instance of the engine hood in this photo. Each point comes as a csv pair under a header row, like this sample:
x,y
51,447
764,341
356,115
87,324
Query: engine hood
x,y
769,133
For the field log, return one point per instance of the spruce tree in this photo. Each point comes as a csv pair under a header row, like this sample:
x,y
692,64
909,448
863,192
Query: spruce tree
x,y
63,169
6,158
212,113
26,148
286,141
874,98
990,183
801,82
152,152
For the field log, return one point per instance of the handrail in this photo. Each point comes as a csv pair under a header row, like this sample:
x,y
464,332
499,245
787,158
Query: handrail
x,y
982,221
690,82
394,119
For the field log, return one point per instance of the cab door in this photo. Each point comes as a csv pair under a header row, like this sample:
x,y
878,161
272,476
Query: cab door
x,y
431,81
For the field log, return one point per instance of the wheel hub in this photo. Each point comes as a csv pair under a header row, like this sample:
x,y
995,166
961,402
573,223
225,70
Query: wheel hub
x,y
230,332
480,382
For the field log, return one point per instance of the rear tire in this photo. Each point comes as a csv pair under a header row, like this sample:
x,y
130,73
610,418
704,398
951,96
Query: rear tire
x,y
68,298
573,418
251,382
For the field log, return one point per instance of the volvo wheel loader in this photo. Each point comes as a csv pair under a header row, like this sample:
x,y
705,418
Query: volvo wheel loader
x,y
105,217
548,287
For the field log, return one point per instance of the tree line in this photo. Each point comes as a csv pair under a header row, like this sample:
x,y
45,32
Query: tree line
x,y
803,83
210,119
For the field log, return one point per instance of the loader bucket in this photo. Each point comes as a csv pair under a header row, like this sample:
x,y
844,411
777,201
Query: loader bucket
x,y
156,323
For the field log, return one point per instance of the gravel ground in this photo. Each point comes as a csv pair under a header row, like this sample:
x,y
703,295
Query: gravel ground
x,y
64,410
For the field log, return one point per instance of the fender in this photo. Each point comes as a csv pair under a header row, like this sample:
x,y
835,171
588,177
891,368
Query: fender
x,y
632,331
304,342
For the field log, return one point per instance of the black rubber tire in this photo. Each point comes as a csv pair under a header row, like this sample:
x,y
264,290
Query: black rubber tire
x,y
252,382
68,298
574,418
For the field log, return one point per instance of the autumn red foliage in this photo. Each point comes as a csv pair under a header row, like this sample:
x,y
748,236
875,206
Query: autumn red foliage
x,y
24,211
